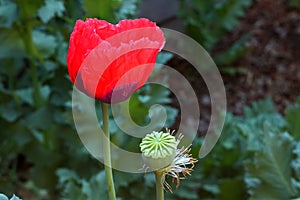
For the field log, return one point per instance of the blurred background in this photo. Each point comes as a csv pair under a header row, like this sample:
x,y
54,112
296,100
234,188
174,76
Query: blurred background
x,y
255,44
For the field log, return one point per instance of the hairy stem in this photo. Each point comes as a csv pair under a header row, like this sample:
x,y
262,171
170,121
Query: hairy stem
x,y
159,186
107,157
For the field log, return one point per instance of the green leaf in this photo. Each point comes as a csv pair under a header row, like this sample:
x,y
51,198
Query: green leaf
x,y
14,197
234,70
127,9
65,175
9,113
98,187
11,44
38,135
232,189
8,13
158,95
296,161
3,197
45,92
209,21
62,53
162,58
50,9
237,50
45,43
102,9
39,119
271,168
26,95
292,116
70,184
50,66
29,10
260,107
123,179
80,189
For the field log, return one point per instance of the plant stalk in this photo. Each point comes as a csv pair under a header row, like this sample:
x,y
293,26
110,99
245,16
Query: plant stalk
x,y
107,154
25,27
159,185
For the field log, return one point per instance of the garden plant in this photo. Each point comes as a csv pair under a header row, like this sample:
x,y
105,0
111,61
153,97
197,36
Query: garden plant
x,y
90,108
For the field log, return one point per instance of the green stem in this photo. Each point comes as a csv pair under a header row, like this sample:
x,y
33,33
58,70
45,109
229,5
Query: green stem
x,y
107,158
25,27
31,50
159,186
35,82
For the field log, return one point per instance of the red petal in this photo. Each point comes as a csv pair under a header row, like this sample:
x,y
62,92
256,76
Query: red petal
x,y
113,57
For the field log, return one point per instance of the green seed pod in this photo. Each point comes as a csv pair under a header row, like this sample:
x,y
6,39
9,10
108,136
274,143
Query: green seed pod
x,y
158,149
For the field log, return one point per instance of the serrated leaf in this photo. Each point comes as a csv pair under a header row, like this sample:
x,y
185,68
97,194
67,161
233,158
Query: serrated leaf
x,y
50,9
271,167
45,43
265,106
8,13
292,116
209,21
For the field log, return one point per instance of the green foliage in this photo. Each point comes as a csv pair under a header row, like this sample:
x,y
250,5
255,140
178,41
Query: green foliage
x,y
8,13
208,22
234,52
294,4
293,118
38,135
271,168
80,189
296,163
51,9
102,9
254,158
111,10
41,153
4,197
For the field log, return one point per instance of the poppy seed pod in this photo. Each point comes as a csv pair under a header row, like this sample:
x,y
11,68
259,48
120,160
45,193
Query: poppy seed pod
x,y
158,149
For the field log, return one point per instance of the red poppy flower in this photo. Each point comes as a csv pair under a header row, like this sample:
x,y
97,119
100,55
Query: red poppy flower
x,y
109,62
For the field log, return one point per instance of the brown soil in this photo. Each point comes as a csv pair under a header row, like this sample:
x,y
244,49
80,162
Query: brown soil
x,y
272,65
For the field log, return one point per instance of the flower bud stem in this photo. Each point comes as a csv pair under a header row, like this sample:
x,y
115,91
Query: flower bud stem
x,y
159,185
107,157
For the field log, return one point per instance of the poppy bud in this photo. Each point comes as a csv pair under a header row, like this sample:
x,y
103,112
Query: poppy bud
x,y
109,62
